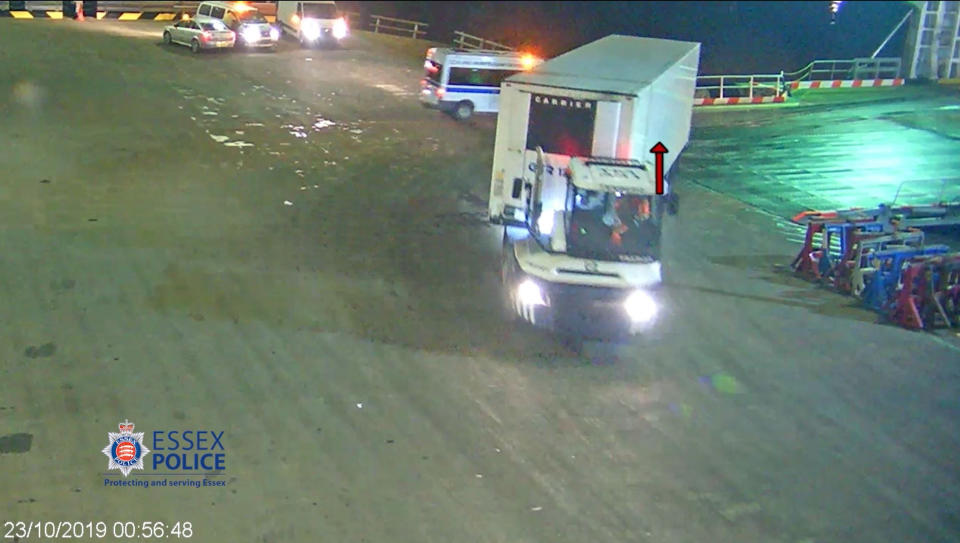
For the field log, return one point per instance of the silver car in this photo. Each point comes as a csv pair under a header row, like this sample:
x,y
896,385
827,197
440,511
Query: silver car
x,y
198,35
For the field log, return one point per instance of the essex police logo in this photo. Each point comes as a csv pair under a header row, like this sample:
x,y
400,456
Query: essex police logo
x,y
126,449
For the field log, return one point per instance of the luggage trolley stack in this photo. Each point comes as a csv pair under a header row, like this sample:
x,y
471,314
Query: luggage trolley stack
x,y
879,256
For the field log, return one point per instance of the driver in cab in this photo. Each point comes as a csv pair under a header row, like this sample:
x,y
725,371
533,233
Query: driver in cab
x,y
589,224
612,224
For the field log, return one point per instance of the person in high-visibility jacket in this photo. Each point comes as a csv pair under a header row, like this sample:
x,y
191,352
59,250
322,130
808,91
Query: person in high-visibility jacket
x,y
636,230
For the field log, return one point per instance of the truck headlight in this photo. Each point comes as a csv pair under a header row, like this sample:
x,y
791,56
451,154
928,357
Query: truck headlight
x,y
340,28
529,293
310,29
640,307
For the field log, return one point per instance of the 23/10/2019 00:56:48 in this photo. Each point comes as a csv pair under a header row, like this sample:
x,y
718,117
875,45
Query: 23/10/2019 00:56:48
x,y
20,530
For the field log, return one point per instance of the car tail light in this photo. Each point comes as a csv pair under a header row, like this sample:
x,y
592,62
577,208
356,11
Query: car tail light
x,y
205,36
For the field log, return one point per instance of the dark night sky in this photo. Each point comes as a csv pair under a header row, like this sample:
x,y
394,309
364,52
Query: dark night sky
x,y
737,37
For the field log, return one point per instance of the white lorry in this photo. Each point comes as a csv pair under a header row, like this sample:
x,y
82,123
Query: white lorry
x,y
312,23
574,182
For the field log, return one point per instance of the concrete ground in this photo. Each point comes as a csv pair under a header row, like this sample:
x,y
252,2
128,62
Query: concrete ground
x,y
858,147
288,248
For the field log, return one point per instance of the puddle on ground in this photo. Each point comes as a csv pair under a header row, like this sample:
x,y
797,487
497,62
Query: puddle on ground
x,y
16,443
43,351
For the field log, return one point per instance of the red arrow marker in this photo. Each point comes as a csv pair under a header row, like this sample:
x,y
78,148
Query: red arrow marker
x,y
658,150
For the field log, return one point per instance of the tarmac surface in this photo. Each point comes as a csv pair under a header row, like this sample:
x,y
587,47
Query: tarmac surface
x,y
286,248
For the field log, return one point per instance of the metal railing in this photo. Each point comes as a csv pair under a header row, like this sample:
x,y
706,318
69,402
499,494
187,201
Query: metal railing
x,y
392,25
857,68
470,42
740,86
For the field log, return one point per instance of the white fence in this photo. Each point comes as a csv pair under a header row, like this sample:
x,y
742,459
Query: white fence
x,y
850,69
730,89
740,86
470,42
381,24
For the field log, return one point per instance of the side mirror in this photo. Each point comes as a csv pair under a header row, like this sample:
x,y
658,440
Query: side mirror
x,y
673,203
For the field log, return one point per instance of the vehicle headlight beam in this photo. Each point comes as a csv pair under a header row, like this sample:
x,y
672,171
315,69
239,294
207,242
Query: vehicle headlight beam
x,y
250,34
340,28
310,29
640,306
529,293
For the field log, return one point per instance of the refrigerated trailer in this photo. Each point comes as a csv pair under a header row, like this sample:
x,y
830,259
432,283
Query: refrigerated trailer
x,y
573,182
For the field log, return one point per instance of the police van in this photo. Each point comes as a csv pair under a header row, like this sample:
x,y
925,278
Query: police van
x,y
464,82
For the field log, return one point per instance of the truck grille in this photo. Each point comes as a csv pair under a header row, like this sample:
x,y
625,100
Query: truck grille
x,y
584,272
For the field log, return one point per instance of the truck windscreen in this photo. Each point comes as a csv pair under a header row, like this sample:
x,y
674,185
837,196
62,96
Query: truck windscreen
x,y
613,226
319,11
561,125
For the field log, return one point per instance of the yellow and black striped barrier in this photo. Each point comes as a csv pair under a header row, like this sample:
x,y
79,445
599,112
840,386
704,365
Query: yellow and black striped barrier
x,y
112,15
118,11
108,15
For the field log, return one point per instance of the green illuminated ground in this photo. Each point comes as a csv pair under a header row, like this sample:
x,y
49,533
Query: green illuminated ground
x,y
832,149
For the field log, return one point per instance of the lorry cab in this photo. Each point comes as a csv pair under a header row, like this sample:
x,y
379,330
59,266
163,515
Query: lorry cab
x,y
462,83
609,212
580,143
587,259
313,23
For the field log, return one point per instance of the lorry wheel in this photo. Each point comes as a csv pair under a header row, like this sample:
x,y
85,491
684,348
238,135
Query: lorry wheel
x,y
509,311
507,274
506,301
463,110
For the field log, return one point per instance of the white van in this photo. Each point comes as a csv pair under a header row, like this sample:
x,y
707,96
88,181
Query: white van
x,y
312,23
464,82
250,26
